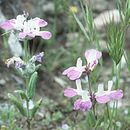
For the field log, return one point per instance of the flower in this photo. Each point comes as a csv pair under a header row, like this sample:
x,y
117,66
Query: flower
x,y
75,72
17,61
27,28
86,99
73,9
84,103
92,56
106,96
38,57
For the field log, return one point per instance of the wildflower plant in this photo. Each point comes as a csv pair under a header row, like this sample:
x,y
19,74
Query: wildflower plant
x,y
25,29
88,98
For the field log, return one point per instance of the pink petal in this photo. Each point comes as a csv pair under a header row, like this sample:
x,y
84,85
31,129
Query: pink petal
x,y
40,22
116,94
77,104
8,25
93,54
72,73
44,34
103,99
65,72
98,54
31,35
70,92
22,35
85,106
82,105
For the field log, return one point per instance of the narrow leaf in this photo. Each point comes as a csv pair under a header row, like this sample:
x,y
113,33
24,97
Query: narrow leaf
x,y
17,103
36,107
32,85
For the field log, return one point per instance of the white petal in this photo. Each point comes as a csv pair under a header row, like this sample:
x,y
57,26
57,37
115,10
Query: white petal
x,y
78,84
79,63
110,84
100,87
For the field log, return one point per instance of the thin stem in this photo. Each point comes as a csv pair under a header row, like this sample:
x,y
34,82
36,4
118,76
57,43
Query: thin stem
x,y
28,117
92,99
25,50
109,116
26,56
89,85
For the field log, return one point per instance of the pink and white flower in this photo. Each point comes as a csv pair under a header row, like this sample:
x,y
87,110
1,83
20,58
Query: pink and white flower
x,y
27,28
103,96
92,56
83,103
75,72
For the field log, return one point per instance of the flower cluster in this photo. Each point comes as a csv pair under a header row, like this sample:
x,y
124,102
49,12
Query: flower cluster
x,y
25,67
27,28
87,98
92,56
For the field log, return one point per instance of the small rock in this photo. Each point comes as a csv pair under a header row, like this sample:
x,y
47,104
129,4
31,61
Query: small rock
x,y
65,127
2,82
49,8
15,45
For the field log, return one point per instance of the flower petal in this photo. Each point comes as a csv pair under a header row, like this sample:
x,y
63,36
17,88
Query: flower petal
x,y
8,25
44,34
72,73
85,105
22,35
102,99
40,22
82,105
92,55
116,94
70,92
79,63
77,104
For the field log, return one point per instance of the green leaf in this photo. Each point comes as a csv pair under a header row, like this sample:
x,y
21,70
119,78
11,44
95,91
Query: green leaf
x,y
22,94
36,107
17,103
98,123
32,85
91,119
81,26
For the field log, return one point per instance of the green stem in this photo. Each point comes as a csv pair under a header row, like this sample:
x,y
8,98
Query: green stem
x,y
28,117
109,116
26,56
25,50
93,101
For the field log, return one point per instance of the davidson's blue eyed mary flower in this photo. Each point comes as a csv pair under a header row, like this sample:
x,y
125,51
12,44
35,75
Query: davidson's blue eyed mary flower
x,y
27,28
92,56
